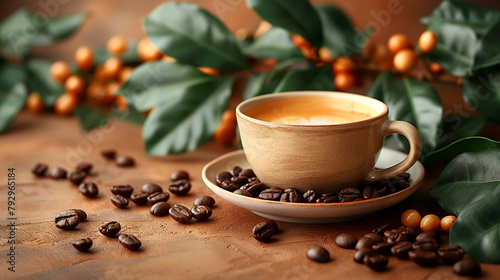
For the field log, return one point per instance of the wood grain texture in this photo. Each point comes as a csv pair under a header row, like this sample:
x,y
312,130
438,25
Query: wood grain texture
x,y
220,248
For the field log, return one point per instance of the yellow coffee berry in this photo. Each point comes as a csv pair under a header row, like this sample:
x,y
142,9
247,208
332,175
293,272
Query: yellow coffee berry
x,y
447,222
111,67
411,218
430,222
398,42
60,71
84,58
405,60
116,45
427,41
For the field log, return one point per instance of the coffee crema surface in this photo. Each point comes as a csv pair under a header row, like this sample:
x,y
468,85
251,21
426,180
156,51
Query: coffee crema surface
x,y
308,111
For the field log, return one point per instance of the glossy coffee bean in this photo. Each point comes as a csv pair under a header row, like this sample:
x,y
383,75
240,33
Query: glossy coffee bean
x,y
77,177
58,173
85,167
264,231
205,200
110,229
129,241
376,261
67,220
369,193
201,212
377,238
140,198
236,171
426,245
125,161
346,240
365,242
240,181
310,196
401,249
271,194
382,248
179,175
254,188
381,229
81,214
291,195
247,173
109,154
243,192
157,197
451,254
222,177
89,189
160,209
327,199
229,186
349,194
83,245
39,169
123,190
467,267
423,258
180,187
360,254
151,188
429,235
119,201
318,254
180,213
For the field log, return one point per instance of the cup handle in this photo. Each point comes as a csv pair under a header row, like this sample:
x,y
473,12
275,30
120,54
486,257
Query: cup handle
x,y
411,133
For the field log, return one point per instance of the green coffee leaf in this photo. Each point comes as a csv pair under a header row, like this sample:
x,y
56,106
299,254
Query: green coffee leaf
x,y
482,92
11,102
456,127
487,51
131,115
90,118
275,43
307,78
39,80
468,144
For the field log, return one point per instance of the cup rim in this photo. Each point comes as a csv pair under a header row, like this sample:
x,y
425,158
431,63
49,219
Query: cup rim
x,y
374,103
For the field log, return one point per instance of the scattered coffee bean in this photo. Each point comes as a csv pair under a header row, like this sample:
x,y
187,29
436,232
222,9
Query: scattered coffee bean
x,y
451,254
423,258
205,200
247,173
140,198
85,167
365,242
401,249
180,187
346,240
264,231
349,194
291,195
426,245
236,171
360,254
382,248
160,209
467,267
58,173
129,241
123,190
157,197
109,154
77,177
310,196
375,261
179,175
254,188
89,189
201,212
110,229
243,192
318,254
381,229
67,220
125,161
180,213
151,188
119,201
83,245
270,194
39,169
222,177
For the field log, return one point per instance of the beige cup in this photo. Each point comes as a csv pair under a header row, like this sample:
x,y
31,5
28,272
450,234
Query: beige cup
x,y
325,158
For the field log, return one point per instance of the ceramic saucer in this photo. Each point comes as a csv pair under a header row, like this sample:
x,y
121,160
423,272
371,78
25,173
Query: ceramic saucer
x,y
310,212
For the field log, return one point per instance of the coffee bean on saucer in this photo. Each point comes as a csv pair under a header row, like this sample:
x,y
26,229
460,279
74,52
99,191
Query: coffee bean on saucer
x,y
180,213
271,194
236,171
119,201
179,175
140,198
83,245
240,181
125,161
310,196
77,177
84,167
423,258
205,200
180,187
110,229
426,245
89,189
360,254
67,220
349,194
109,154
201,212
318,254
467,267
151,188
327,199
243,192
401,249
157,197
382,248
229,186
291,195
401,184
160,209
58,173
369,193
39,169
264,231
129,241
346,240
222,177
254,188
247,173
451,254
376,261
123,190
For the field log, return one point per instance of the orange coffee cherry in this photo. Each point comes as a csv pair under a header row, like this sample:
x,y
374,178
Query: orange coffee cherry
x,y
209,71
116,45
405,60
75,85
125,74
263,27
300,42
34,103
411,218
121,103
84,58
427,41
447,222
459,82
111,88
147,51
65,104
229,117
436,68
226,131
60,71
398,42
430,222
111,67
343,64
325,55
344,80
96,92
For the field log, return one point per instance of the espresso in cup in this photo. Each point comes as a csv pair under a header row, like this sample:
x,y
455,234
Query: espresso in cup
x,y
324,141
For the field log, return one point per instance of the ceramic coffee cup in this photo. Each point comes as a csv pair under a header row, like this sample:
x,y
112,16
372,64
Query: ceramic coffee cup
x,y
317,140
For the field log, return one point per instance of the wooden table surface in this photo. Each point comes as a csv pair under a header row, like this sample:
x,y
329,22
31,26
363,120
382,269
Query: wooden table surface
x,y
220,248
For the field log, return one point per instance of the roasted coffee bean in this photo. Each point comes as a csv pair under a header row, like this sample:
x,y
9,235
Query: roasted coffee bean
x,y
125,161
119,201
318,254
180,213
160,209
67,220
110,229
58,173
264,231
129,241
383,248
310,196
426,245
428,235
360,254
411,233
291,195
84,167
396,237
381,229
401,184
140,198
247,173
179,175
327,199
376,261
39,169
83,245
377,238
349,194
383,191
467,267
401,249
423,258
405,176
365,242
239,181
81,214
77,177
222,177
369,193
180,187
243,192
109,154
123,190
89,189
205,200
229,186
151,188
236,171
253,179
254,188
271,194
346,240
451,254
201,212
157,197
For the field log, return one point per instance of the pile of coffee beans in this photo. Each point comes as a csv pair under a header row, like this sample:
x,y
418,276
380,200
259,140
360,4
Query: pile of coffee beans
x,y
244,182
